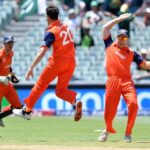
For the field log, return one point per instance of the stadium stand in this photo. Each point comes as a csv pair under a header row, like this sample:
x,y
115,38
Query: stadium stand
x,y
29,33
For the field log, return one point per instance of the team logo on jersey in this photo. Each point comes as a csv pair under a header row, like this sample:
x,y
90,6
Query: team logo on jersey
x,y
120,55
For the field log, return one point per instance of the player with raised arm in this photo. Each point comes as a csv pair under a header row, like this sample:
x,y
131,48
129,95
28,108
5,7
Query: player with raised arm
x,y
118,62
61,64
6,75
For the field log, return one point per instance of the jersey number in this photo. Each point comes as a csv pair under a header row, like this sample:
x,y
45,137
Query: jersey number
x,y
66,37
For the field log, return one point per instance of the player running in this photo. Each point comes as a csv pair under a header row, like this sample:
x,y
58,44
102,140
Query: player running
x,y
6,88
118,61
61,64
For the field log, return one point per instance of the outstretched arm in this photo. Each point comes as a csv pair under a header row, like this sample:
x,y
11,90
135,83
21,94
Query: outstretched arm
x,y
37,59
48,40
145,64
110,24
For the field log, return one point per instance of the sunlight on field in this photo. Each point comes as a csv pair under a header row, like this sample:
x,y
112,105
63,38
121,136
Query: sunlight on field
x,y
56,132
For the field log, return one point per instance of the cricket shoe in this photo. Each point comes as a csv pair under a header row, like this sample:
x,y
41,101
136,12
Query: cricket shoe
x,y
78,111
2,123
128,138
103,136
22,113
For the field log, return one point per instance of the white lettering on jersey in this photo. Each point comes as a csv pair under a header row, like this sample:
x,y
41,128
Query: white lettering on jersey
x,y
120,55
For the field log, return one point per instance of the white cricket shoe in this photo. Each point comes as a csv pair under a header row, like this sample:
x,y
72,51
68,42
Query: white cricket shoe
x,y
103,136
22,113
127,138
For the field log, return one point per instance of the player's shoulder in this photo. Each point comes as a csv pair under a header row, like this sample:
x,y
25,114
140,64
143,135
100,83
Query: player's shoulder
x,y
130,50
58,28
54,29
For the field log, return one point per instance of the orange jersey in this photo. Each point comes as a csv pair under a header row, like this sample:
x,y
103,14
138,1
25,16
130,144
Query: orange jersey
x,y
60,37
5,62
118,61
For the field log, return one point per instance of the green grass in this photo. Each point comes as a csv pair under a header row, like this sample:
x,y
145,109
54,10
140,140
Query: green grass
x,y
63,131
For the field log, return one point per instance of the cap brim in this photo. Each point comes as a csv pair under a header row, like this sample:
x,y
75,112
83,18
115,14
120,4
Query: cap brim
x,y
8,41
122,35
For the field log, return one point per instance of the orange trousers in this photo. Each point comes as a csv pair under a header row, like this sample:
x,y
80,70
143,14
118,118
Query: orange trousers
x,y
11,95
115,87
62,68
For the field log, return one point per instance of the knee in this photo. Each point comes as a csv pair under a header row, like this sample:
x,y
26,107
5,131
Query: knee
x,y
134,106
58,93
41,85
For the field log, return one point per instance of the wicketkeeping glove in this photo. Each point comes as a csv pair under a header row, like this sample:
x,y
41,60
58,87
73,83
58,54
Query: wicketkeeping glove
x,y
13,78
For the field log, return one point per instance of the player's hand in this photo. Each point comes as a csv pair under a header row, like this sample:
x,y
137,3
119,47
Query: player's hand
x,y
125,16
4,79
29,73
13,78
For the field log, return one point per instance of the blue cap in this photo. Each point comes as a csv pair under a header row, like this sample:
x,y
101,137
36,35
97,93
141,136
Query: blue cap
x,y
8,38
122,32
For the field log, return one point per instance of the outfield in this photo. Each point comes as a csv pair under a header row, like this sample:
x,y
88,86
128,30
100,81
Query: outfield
x,y
62,133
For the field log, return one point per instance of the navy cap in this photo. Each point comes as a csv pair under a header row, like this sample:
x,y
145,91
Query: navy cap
x,y
122,32
8,38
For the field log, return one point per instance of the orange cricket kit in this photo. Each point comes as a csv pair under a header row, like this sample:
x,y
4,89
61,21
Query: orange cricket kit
x,y
7,91
118,62
116,87
61,65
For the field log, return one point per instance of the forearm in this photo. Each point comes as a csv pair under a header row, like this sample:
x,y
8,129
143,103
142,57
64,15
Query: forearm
x,y
111,23
147,65
38,57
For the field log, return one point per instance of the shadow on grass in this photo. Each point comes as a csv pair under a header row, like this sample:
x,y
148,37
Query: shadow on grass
x,y
118,141
148,142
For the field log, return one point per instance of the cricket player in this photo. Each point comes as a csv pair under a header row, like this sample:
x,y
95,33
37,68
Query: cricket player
x,y
61,64
118,61
6,88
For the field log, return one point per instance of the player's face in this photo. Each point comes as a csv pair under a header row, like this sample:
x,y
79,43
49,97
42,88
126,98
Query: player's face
x,y
122,41
8,46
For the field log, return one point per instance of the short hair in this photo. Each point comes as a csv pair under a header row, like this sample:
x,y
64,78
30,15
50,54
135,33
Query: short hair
x,y
52,12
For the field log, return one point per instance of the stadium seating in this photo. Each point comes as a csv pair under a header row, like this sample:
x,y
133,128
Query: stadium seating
x,y
90,61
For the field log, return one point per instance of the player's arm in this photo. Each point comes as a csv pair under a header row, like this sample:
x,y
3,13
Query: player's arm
x,y
36,60
13,77
138,59
48,40
145,64
111,23
4,80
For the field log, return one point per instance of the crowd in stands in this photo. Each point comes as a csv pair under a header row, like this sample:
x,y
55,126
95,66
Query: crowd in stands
x,y
83,16
89,13
86,14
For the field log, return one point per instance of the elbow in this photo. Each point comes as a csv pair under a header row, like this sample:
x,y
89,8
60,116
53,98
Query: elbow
x,y
42,51
104,27
104,30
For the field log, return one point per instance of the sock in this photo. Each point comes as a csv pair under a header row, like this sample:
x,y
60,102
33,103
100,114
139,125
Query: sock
x,y
27,109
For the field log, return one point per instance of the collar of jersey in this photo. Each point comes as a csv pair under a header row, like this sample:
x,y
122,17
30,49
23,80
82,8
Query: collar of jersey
x,y
124,48
54,24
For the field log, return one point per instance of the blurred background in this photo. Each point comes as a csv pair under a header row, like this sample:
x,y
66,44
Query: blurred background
x,y
26,21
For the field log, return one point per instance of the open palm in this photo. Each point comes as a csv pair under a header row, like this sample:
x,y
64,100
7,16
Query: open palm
x,y
29,74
